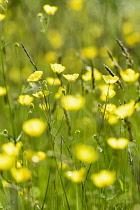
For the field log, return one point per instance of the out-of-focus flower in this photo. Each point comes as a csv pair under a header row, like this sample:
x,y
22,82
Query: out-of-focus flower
x,y
35,156
127,28
71,77
125,110
89,52
2,91
129,75
76,176
107,92
88,75
85,153
120,143
50,10
2,17
25,99
51,56
34,127
55,38
11,149
21,174
110,79
76,5
62,165
103,178
57,68
6,161
109,113
53,81
72,103
36,76
132,39
41,94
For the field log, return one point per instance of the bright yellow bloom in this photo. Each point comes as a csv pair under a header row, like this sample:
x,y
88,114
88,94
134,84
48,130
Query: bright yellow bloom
x,y
57,68
2,17
2,91
34,127
110,79
120,143
35,157
60,92
125,110
21,174
103,178
6,161
88,75
11,149
109,113
89,52
53,81
75,4
25,99
50,10
127,28
41,94
129,75
132,39
71,77
76,176
36,76
72,103
107,92
85,153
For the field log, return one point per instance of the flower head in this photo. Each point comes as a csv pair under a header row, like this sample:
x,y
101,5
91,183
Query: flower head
x,y
85,153
76,176
21,174
88,75
71,77
89,52
129,75
125,110
2,17
50,10
25,99
110,79
35,156
41,94
57,68
103,178
34,127
2,91
36,76
120,143
72,103
53,81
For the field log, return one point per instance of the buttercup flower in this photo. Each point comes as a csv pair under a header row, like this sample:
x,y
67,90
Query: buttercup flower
x,y
71,77
120,143
34,127
88,75
41,94
21,174
76,176
85,153
25,99
57,68
53,81
125,110
36,76
72,103
129,75
2,91
50,10
89,52
103,178
110,79
35,156
2,17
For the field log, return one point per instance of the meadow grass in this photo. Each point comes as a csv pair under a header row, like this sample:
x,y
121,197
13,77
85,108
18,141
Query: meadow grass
x,y
70,103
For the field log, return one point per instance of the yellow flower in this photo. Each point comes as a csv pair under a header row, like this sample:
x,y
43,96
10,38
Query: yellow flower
x,y
6,161
57,68
110,79
103,178
60,92
2,91
35,157
129,75
127,28
76,176
85,153
50,10
75,4
89,52
88,75
109,111
107,92
25,99
41,94
56,40
51,56
53,81
34,127
71,77
2,17
62,165
125,110
120,143
21,174
72,103
36,76
132,39
11,149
